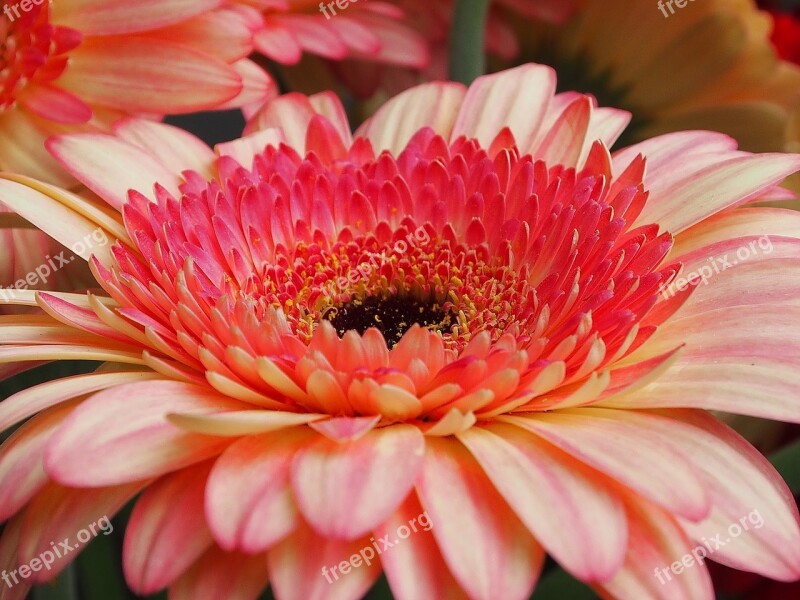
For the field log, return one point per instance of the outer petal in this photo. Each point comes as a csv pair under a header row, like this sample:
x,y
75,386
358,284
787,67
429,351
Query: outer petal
x,y
150,76
174,148
249,503
105,17
414,566
49,215
636,456
688,184
747,492
433,105
122,434
9,544
32,400
226,33
219,574
486,547
59,513
292,113
306,566
110,167
516,98
167,530
347,489
740,223
21,455
741,359
740,483
577,520
655,542
54,104
400,45
566,138
23,150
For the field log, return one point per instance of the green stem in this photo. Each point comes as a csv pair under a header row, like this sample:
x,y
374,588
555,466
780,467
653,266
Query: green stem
x,y
467,40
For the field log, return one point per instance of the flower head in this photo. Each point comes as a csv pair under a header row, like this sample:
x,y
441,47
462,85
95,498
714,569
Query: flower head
x,y
82,64
463,311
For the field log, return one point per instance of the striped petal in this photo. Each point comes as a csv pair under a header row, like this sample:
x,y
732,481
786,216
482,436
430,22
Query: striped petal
x,y
569,510
22,472
58,513
9,543
297,574
52,217
211,577
487,549
110,167
106,17
249,502
655,543
741,359
754,516
122,434
32,400
167,530
173,148
414,566
636,456
149,76
516,98
433,105
691,191
347,489
55,104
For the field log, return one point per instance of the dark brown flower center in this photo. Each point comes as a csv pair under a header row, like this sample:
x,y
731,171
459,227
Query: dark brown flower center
x,y
392,316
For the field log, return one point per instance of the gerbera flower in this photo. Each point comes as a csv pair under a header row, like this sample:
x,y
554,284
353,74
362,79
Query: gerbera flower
x,y
466,312
81,64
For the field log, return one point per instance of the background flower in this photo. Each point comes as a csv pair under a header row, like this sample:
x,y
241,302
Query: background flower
x,y
710,65
81,64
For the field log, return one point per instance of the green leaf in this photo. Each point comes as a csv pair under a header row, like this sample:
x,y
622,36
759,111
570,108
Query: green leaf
x,y
558,585
787,462
467,40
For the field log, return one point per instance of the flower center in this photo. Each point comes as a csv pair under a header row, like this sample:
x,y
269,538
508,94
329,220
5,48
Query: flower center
x,y
392,316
